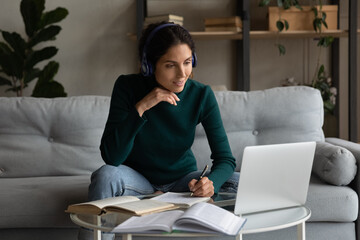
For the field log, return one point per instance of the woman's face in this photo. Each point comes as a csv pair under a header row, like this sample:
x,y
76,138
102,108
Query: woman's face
x,y
174,68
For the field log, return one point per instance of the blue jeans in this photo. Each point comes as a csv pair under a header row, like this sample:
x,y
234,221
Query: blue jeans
x,y
110,181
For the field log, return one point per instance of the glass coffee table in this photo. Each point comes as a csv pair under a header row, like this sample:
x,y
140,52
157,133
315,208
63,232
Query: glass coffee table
x,y
256,222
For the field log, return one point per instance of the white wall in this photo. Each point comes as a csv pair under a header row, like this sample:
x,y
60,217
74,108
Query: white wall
x,y
94,47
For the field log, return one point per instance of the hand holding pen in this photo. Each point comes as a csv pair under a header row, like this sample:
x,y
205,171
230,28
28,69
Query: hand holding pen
x,y
202,186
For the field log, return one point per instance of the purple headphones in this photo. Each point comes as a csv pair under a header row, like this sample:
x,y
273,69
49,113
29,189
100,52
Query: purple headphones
x,y
146,68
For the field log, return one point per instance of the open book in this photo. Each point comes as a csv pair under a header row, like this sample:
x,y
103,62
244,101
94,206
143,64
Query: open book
x,y
180,199
123,204
201,218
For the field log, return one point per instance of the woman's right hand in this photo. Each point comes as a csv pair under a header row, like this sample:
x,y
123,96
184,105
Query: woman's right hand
x,y
154,97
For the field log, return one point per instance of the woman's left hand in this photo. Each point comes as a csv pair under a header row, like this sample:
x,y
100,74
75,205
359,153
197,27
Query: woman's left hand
x,y
202,188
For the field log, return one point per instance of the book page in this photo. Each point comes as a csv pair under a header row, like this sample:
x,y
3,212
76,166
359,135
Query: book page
x,y
209,216
96,206
142,206
181,199
149,223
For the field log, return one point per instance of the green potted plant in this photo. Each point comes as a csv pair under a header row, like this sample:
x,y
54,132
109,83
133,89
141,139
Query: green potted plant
x,y
19,57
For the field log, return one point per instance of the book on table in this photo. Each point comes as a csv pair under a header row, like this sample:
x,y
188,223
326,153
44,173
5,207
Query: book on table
x,y
199,218
135,206
123,204
180,199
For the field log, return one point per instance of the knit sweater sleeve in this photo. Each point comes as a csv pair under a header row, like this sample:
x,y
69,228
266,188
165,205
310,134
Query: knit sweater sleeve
x,y
122,125
223,160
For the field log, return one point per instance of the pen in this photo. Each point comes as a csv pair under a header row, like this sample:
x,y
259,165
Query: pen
x,y
201,176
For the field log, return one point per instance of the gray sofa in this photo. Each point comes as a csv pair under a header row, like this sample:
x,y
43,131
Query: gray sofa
x,y
49,147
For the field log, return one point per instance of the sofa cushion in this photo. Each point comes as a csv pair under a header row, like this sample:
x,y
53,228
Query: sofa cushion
x,y
331,203
271,116
39,202
333,164
51,137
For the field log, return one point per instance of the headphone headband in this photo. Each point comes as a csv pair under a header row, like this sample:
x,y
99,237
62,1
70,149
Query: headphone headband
x,y
146,68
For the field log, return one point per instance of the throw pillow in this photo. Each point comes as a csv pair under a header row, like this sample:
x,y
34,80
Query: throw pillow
x,y
333,164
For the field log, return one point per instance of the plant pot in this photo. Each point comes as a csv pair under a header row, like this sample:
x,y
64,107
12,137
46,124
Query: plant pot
x,y
302,19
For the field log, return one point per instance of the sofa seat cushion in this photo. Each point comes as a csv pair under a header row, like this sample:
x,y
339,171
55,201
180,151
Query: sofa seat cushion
x,y
40,202
331,203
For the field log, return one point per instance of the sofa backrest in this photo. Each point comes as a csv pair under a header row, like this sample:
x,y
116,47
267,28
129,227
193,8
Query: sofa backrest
x,y
271,116
59,137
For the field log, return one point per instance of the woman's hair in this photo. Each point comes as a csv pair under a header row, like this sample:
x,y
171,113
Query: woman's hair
x,y
163,39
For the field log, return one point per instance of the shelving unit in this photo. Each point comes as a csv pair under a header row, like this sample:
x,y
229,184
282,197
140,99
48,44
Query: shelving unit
x,y
267,35
243,50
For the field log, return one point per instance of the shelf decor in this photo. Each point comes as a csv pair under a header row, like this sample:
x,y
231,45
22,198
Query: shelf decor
x,y
223,24
164,18
302,19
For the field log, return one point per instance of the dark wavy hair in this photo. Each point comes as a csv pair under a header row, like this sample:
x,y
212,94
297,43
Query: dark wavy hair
x,y
164,39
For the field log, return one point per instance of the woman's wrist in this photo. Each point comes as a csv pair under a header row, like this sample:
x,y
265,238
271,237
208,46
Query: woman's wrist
x,y
139,109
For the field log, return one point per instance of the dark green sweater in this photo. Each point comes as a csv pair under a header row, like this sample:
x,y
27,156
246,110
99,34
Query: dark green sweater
x,y
157,145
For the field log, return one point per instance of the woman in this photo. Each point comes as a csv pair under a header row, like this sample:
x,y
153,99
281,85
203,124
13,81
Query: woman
x,y
151,125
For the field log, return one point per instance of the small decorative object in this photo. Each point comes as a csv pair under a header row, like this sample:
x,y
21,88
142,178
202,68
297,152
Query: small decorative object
x,y
19,57
232,24
289,82
303,18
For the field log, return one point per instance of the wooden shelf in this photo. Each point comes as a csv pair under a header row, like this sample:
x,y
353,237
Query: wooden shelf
x,y
262,35
268,34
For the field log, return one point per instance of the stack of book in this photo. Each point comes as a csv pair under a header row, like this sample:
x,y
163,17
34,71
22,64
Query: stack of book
x,y
167,18
231,24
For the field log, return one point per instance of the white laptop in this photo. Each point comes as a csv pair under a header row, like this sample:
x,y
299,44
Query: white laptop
x,y
274,177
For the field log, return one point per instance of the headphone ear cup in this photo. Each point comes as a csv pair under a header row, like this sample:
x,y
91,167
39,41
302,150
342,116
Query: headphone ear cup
x,y
144,66
194,60
150,69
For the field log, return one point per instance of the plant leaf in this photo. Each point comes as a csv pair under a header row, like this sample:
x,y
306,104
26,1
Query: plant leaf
x,y
325,24
17,43
31,75
280,3
12,64
45,34
4,48
286,25
314,9
297,5
53,16
286,4
282,49
49,72
49,90
46,85
31,11
5,81
40,55
323,16
280,25
321,71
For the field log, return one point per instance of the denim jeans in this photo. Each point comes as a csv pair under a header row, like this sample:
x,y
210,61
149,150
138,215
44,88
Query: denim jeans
x,y
110,181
